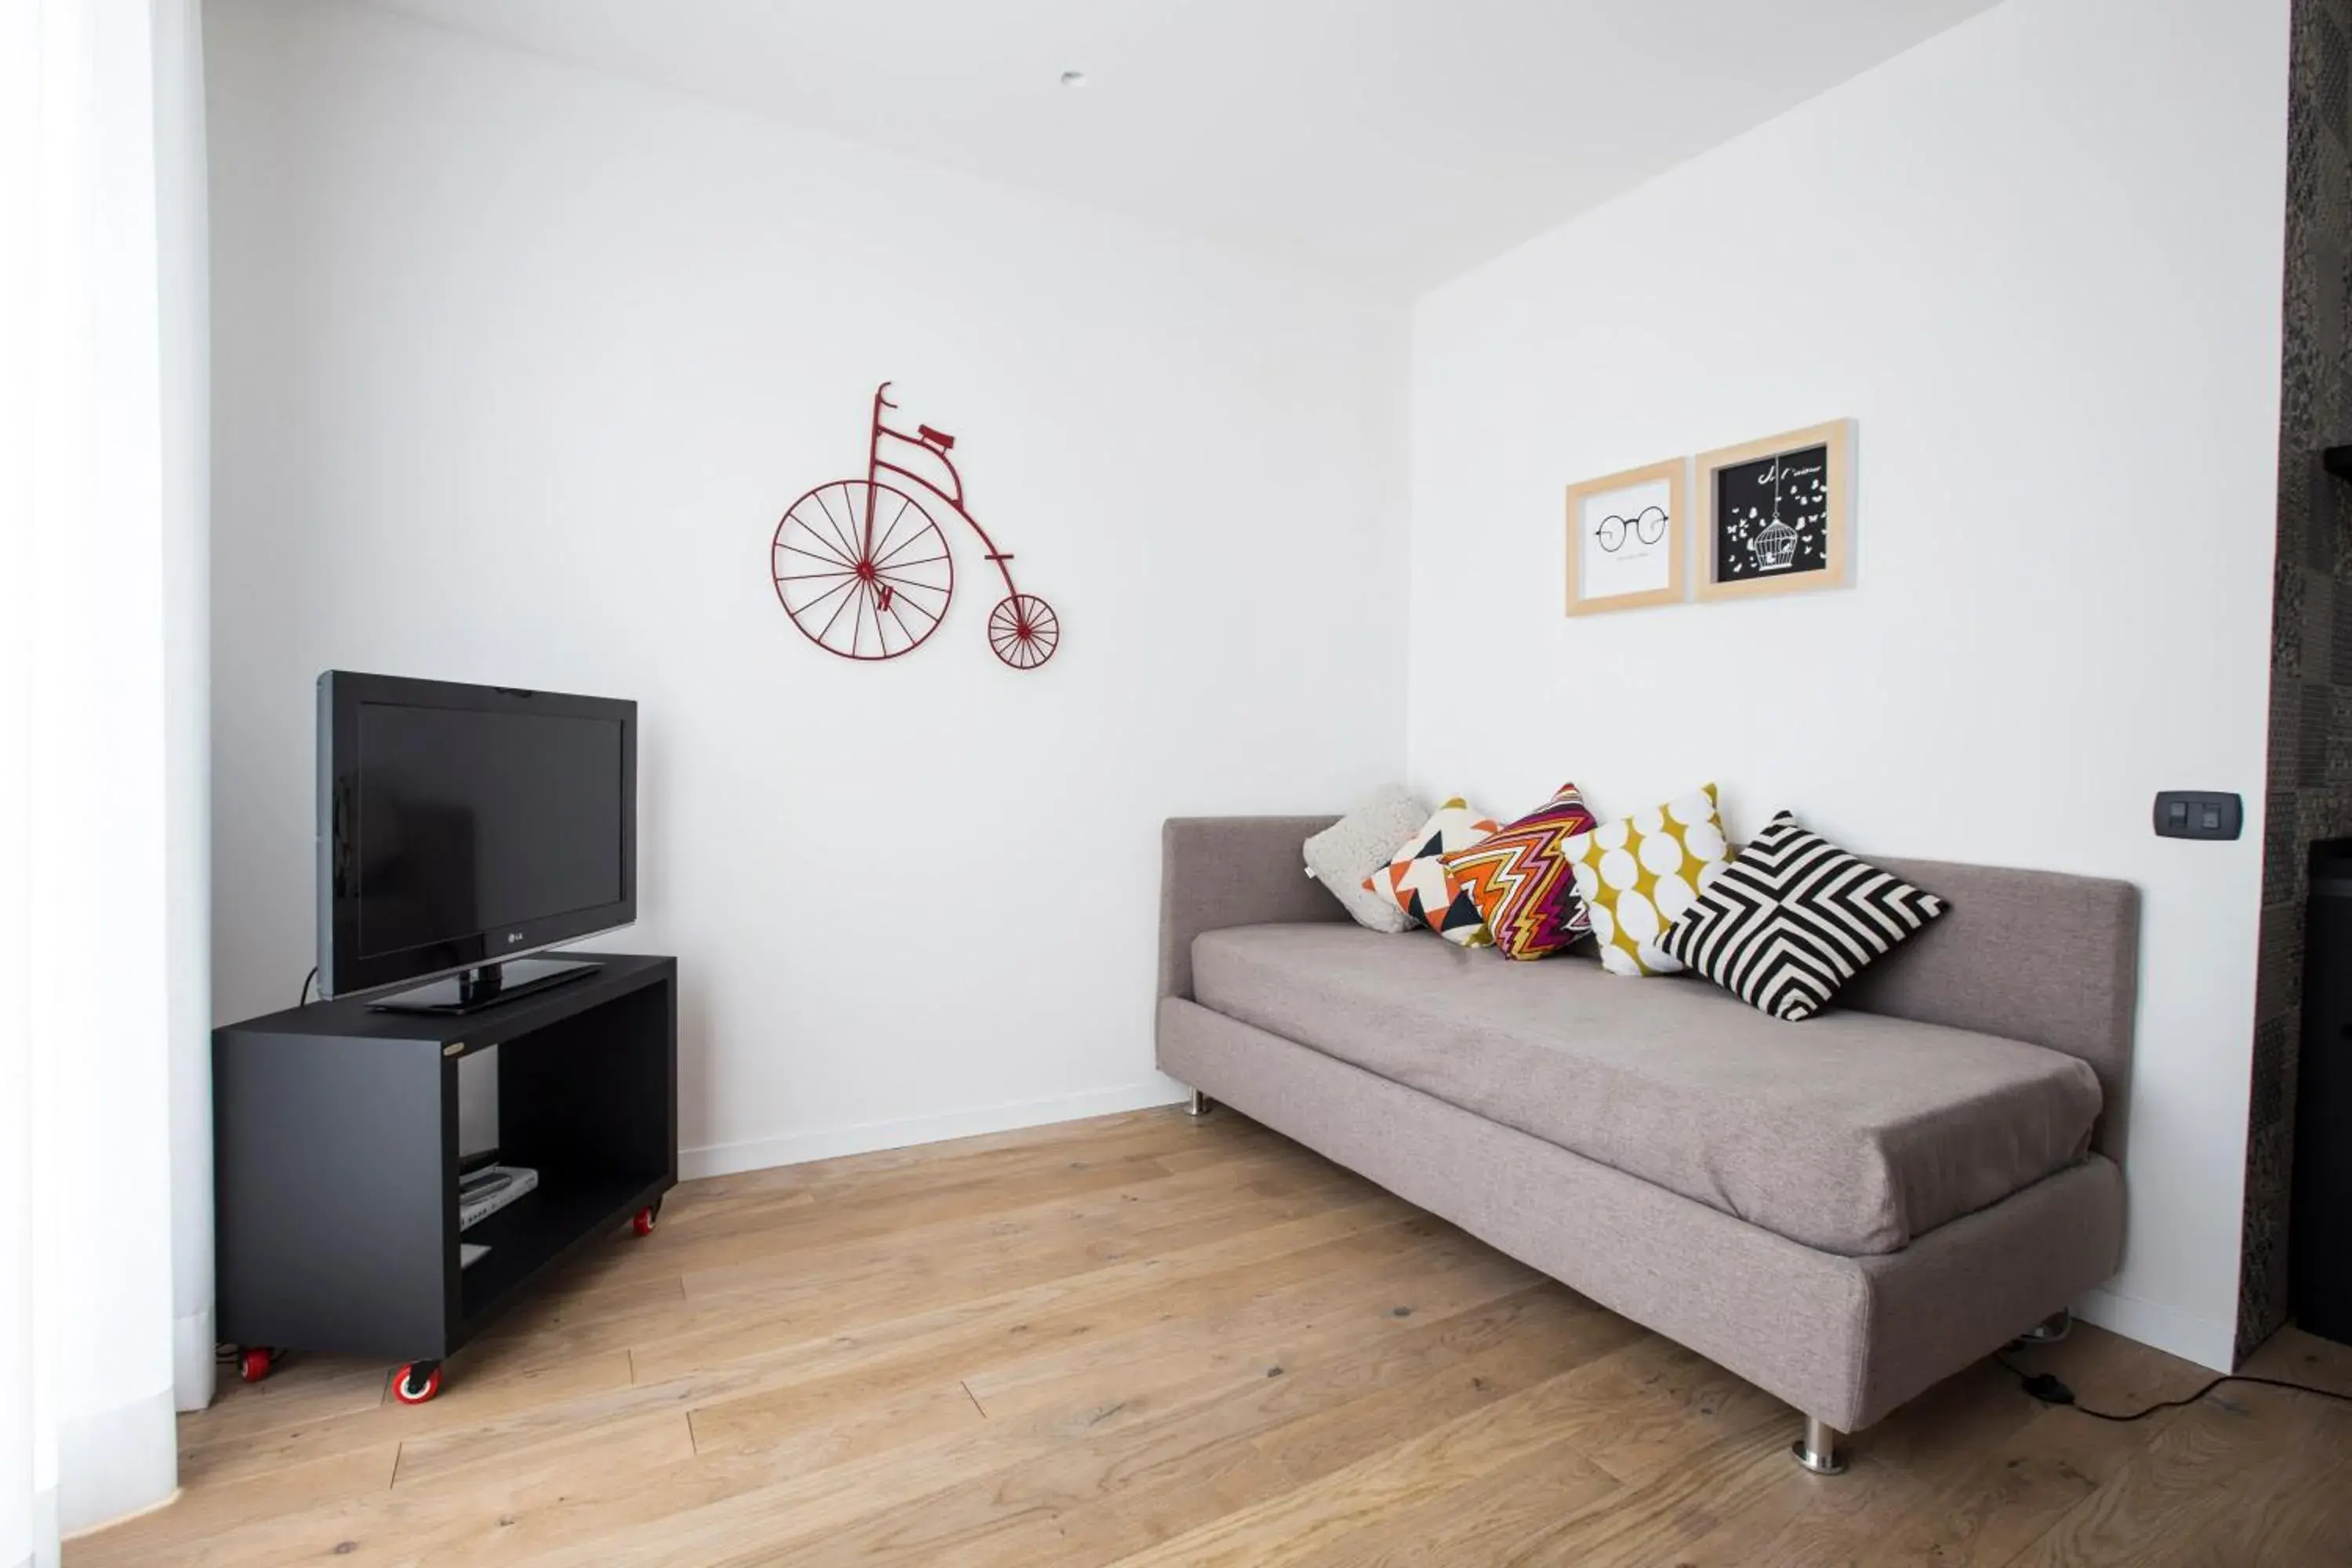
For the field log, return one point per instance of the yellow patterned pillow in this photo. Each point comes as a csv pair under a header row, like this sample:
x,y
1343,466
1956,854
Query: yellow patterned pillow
x,y
1641,875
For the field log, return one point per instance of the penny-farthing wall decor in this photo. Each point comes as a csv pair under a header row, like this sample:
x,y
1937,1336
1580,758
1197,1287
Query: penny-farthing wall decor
x,y
864,569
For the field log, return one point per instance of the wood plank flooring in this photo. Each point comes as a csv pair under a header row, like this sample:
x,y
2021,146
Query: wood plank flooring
x,y
1142,1340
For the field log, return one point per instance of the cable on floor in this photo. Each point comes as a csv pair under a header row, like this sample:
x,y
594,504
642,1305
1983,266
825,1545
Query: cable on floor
x,y
2046,1387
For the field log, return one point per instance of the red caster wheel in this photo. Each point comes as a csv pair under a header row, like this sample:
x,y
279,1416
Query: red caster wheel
x,y
646,1219
417,1381
256,1365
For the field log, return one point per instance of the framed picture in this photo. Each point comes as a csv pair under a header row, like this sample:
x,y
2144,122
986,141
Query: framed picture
x,y
1774,515
1625,539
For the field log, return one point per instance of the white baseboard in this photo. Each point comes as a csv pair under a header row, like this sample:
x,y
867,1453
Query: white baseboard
x,y
193,1368
2168,1328
792,1148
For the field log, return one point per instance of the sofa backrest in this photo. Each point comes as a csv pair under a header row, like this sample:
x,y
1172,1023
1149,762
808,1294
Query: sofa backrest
x,y
1217,871
2040,956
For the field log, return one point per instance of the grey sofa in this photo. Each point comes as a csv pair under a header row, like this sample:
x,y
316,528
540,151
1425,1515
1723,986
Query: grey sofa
x,y
1843,1211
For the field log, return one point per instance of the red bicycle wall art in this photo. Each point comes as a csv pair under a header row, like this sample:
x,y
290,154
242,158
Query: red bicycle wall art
x,y
864,569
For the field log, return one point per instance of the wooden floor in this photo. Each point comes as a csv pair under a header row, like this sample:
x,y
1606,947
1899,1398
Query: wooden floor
x,y
1141,1340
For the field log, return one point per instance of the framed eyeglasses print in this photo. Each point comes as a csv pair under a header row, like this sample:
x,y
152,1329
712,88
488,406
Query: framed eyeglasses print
x,y
1625,539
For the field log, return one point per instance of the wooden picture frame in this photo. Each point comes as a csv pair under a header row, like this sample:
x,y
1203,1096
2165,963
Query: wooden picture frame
x,y
1797,536
1617,558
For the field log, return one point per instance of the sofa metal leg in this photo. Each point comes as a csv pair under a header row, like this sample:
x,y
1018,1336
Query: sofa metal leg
x,y
1817,1450
1200,1104
2049,1330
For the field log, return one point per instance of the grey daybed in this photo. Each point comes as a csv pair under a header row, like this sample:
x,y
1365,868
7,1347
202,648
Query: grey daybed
x,y
1843,1211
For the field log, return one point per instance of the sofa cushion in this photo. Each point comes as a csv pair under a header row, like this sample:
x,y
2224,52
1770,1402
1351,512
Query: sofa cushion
x,y
1853,1134
1641,874
1794,917
1417,882
1521,882
1343,856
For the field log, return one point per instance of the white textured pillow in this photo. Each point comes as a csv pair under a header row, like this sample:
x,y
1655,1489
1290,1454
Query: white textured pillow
x,y
1353,848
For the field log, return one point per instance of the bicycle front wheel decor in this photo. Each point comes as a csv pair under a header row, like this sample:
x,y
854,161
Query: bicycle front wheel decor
x,y
1023,630
862,570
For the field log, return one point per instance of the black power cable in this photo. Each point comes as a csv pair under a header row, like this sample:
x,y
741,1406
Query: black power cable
x,y
2045,1387
306,986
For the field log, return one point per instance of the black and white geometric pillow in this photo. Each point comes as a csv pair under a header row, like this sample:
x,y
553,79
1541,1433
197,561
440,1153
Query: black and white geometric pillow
x,y
1793,918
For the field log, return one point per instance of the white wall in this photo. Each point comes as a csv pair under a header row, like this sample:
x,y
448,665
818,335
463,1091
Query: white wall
x,y
2038,259
515,369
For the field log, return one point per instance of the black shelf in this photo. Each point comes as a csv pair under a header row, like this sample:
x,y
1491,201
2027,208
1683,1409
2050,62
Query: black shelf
x,y
540,1230
336,1159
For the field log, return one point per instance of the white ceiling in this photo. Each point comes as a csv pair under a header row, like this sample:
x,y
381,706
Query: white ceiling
x,y
1399,141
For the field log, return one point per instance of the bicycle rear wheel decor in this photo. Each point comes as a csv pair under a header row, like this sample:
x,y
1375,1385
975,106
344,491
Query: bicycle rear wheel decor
x,y
1022,630
863,567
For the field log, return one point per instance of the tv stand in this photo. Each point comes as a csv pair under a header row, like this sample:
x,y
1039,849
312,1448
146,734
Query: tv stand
x,y
337,1163
469,992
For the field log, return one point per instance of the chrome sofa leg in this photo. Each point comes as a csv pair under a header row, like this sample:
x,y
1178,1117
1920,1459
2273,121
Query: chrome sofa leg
x,y
1817,1450
1200,1104
2049,1330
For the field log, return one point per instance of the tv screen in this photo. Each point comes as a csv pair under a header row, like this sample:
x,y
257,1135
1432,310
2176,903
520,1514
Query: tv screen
x,y
460,825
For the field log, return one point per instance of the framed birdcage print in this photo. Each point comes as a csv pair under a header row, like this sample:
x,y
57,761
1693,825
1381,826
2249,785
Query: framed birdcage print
x,y
1775,516
1625,543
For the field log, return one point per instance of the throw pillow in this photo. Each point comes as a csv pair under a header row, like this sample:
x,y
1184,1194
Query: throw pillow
x,y
1414,880
1520,877
1794,916
1344,854
1640,876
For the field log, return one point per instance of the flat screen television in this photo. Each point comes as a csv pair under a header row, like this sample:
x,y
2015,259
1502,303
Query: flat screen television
x,y
461,826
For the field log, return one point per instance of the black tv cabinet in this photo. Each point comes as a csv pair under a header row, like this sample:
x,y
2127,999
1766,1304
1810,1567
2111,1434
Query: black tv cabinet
x,y
335,1162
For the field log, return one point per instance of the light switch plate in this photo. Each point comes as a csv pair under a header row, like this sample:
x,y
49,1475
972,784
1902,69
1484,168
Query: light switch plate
x,y
2199,813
